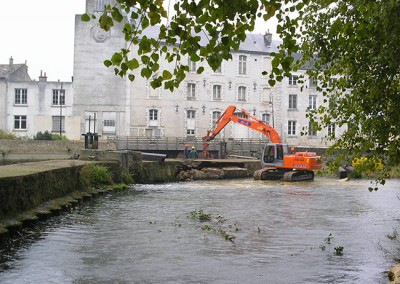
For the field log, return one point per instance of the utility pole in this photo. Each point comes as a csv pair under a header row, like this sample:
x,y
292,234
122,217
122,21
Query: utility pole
x,y
61,92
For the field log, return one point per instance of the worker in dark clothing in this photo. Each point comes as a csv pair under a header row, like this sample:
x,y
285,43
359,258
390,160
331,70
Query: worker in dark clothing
x,y
186,151
193,153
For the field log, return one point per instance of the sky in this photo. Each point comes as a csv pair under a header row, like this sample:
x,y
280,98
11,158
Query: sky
x,y
41,32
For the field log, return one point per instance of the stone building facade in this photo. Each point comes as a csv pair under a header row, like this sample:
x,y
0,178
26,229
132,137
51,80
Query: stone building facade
x,y
99,101
124,108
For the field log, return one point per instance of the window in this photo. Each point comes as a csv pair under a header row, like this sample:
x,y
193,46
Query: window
x,y
153,114
190,122
192,65
312,130
191,91
331,130
217,92
331,82
242,64
293,80
312,102
313,82
21,96
291,127
58,97
292,101
215,116
241,115
191,114
266,117
109,122
57,123
242,93
153,132
219,69
19,121
153,117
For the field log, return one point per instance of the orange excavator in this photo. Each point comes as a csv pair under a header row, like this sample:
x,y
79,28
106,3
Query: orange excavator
x,y
277,163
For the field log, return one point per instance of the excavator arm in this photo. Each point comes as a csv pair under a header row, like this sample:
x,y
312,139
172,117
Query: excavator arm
x,y
251,122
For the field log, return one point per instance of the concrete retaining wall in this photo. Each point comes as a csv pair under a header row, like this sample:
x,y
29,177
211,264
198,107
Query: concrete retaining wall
x,y
31,150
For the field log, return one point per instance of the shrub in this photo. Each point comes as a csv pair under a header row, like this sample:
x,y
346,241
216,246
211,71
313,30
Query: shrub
x,y
43,136
7,135
127,178
369,166
94,175
49,136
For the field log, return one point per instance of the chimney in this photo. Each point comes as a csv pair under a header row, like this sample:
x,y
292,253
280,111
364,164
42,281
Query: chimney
x,y
41,77
11,61
268,38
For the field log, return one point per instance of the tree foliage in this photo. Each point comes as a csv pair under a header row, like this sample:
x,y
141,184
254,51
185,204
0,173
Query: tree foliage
x,y
354,41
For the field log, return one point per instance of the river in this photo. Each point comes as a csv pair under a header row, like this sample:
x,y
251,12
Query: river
x,y
276,233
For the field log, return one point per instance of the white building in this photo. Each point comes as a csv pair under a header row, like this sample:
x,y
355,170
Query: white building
x,y
99,101
27,107
124,108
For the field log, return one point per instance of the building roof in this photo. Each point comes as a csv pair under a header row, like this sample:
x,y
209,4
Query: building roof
x,y
14,72
6,69
254,43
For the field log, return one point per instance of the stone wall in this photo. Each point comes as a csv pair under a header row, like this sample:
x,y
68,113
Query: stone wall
x,y
29,150
42,189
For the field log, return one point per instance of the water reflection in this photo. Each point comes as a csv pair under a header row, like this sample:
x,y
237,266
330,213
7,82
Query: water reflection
x,y
146,235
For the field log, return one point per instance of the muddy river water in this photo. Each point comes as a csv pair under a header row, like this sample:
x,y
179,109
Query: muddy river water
x,y
252,232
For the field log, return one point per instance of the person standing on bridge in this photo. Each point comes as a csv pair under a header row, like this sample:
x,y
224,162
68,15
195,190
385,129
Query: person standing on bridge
x,y
193,153
186,151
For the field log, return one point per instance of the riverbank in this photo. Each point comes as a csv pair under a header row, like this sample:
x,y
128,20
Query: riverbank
x,y
35,190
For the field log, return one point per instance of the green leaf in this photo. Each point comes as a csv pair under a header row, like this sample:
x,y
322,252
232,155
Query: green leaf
x,y
133,64
117,15
107,63
116,59
271,83
166,75
85,18
146,73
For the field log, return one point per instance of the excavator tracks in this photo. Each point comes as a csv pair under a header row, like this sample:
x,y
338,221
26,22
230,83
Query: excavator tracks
x,y
298,176
289,176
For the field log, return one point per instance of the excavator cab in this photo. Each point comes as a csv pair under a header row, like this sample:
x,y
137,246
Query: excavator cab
x,y
273,154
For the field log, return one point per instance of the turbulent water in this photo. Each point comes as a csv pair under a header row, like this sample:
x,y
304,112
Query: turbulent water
x,y
258,232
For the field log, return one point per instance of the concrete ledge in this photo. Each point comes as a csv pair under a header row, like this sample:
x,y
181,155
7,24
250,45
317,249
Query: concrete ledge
x,y
31,190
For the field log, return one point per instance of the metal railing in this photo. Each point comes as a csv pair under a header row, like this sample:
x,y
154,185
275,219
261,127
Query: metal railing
x,y
177,143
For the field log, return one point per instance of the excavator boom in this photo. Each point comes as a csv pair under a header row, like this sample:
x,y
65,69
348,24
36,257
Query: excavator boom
x,y
251,121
